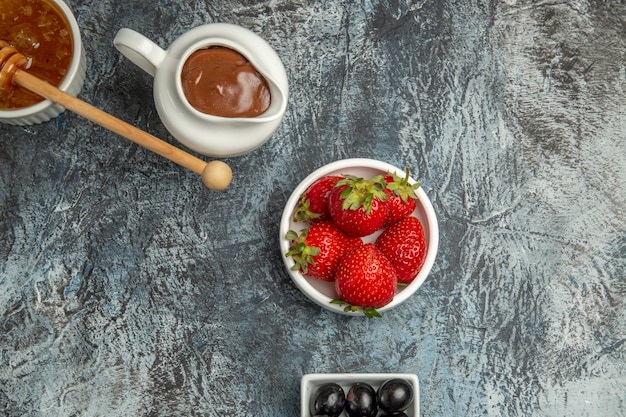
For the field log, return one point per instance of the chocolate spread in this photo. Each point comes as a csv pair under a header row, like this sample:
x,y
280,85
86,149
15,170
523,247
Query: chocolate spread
x,y
222,82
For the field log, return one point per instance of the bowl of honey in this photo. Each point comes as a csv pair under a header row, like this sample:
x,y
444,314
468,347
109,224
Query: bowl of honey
x,y
47,34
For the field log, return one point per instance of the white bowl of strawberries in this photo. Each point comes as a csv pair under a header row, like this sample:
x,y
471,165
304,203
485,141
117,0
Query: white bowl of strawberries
x,y
359,236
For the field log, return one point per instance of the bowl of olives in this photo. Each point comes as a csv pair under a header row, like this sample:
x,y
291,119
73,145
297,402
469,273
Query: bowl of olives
x,y
359,395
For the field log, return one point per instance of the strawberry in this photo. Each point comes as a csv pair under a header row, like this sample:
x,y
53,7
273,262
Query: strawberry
x,y
317,249
405,246
365,279
401,197
313,204
356,205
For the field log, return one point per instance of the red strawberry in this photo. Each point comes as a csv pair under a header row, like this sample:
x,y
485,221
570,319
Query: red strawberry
x,y
356,205
401,200
313,204
317,250
405,246
365,278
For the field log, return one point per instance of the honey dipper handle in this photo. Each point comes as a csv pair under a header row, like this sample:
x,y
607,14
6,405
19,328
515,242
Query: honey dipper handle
x,y
48,91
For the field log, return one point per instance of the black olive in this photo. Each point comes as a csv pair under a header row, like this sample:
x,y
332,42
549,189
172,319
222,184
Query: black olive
x,y
361,401
395,414
395,395
328,401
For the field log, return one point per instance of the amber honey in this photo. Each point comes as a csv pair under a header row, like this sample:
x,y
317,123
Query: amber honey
x,y
39,30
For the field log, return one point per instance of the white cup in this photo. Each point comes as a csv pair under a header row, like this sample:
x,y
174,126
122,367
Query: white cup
x,y
205,133
72,82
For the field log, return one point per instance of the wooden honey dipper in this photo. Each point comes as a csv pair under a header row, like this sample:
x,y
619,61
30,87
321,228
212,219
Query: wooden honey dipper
x,y
216,175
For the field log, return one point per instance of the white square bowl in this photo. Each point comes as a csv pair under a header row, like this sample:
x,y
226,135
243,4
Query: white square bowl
x,y
311,382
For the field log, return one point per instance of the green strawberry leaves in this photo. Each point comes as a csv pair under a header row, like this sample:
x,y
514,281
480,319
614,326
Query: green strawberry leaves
x,y
360,192
401,187
303,212
301,254
369,312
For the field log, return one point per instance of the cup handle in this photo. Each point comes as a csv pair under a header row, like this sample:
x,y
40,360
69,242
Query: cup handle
x,y
140,50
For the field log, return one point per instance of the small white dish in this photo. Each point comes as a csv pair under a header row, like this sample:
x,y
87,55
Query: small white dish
x,y
311,382
323,292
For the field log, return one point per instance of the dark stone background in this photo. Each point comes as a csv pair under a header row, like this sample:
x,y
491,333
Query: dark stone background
x,y
127,288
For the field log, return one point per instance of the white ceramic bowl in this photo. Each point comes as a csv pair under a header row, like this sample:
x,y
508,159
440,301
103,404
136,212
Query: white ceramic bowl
x,y
311,382
71,84
323,292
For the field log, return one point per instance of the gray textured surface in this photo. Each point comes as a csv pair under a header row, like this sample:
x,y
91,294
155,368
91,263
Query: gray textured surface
x,y
127,288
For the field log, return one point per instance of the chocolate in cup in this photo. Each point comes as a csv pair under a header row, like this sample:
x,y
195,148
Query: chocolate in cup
x,y
222,82
229,133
